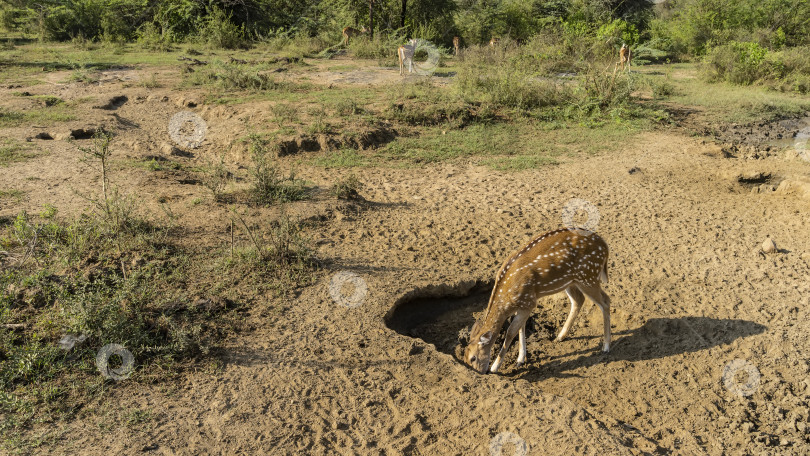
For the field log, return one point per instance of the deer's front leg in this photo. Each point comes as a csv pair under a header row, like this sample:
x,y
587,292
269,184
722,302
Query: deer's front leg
x,y
514,328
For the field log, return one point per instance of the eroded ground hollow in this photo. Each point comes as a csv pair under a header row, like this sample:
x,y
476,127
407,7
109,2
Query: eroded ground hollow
x,y
444,315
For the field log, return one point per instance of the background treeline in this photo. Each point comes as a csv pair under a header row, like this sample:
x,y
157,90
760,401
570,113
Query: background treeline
x,y
741,40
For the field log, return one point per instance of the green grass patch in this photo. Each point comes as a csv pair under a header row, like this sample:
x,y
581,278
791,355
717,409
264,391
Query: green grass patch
x,y
344,158
723,101
155,164
13,194
45,115
128,286
13,151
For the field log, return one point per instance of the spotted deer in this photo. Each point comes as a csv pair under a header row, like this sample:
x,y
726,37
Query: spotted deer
x,y
574,260
351,32
456,45
405,53
494,41
624,57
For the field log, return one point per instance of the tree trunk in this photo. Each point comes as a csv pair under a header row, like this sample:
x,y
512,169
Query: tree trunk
x,y
402,15
371,19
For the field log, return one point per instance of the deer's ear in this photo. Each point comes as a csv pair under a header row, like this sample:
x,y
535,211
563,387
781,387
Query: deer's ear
x,y
485,338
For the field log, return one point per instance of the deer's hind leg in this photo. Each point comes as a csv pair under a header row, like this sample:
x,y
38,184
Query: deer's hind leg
x,y
577,298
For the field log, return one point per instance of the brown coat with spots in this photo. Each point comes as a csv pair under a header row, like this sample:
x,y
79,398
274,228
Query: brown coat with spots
x,y
574,260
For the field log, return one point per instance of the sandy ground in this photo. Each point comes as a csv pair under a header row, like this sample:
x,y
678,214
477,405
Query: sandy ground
x,y
691,296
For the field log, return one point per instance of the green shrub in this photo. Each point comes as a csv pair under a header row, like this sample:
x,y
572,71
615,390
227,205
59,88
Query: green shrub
x,y
738,62
749,63
154,38
269,185
218,31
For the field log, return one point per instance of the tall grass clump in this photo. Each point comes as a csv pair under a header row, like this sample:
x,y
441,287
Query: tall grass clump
x,y
502,76
230,76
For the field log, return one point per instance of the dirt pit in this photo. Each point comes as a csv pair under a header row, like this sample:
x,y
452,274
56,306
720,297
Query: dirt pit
x,y
442,321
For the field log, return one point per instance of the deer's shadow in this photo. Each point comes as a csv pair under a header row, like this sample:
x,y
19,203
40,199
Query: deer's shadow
x,y
443,321
657,338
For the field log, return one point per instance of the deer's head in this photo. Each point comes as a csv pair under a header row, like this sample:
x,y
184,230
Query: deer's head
x,y
479,349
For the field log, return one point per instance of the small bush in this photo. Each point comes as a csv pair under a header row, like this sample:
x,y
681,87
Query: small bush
x,y
269,185
738,62
218,31
153,38
347,189
662,89
601,91
283,254
214,177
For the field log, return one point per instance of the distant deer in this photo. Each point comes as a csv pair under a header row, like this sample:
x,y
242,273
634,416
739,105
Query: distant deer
x,y
405,53
573,260
494,41
351,32
456,45
624,57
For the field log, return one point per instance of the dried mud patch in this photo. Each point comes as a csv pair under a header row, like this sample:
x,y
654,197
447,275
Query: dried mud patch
x,y
762,140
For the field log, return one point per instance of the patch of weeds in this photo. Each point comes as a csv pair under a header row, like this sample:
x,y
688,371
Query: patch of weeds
x,y
214,177
138,416
151,82
347,107
229,76
49,100
12,151
83,75
162,165
283,113
49,211
269,185
347,189
79,277
281,253
12,194
318,123
10,118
